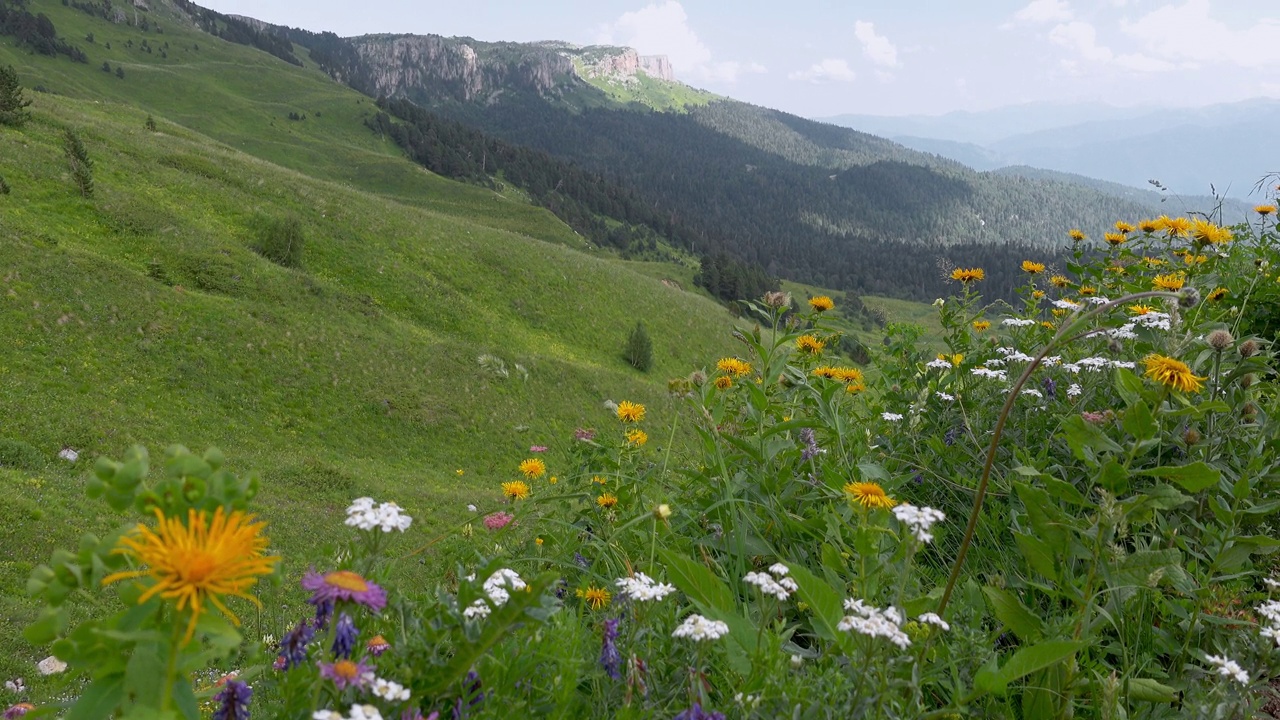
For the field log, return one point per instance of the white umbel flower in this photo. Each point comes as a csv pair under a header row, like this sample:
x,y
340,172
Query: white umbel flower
x,y
935,620
780,588
366,515
919,520
389,690
642,588
1228,668
891,417
364,712
697,628
874,622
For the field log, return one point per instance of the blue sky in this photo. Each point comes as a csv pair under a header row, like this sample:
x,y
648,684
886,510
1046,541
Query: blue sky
x,y
877,56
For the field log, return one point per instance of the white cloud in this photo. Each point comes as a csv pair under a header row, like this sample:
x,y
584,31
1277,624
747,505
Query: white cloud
x,y
829,70
1203,39
1082,40
1043,12
876,47
663,29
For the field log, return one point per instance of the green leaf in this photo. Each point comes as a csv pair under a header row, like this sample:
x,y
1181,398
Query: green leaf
x,y
825,605
1038,554
1037,657
46,628
1148,690
1138,421
1129,386
1114,477
1193,478
1085,439
1009,610
698,582
99,700
1041,513
1241,489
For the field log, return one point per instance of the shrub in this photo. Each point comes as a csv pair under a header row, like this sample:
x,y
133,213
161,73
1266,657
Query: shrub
x,y
20,455
280,240
639,349
79,161
151,123
4,186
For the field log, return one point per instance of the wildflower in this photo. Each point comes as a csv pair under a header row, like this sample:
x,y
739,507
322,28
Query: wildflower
x,y
968,275
377,645
852,388
637,437
1060,281
533,468
809,344
662,512
724,382
821,303
1172,282
1074,390
495,587
1206,233
1228,668
516,489
1171,373
1195,259
777,299
1220,339
697,628
1216,295
199,562
498,520
365,515
695,712
293,647
1123,227
607,500
1047,325
233,701
874,622
629,412
1032,268
19,710
1088,290
584,435
642,588
811,449
599,480
847,375
734,366
945,396
347,673
460,472
869,495
934,619
918,520
610,658
981,325
780,588
1038,294
343,585
1065,304
1076,235
1153,261
1114,238
594,596
1248,348
1264,210
344,637
1149,226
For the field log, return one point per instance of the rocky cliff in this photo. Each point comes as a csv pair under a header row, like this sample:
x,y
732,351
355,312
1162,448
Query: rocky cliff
x,y
620,63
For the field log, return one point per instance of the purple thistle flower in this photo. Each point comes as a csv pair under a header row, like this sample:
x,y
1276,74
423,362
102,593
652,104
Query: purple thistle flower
x,y
345,673
293,648
343,585
610,658
233,701
344,637
811,449
697,713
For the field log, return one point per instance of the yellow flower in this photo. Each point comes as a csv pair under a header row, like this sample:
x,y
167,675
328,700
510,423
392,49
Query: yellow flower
x,y
538,541
533,468
1171,373
1194,259
1088,290
1033,268
1141,309
1217,294
1114,238
637,437
734,366
825,371
1174,227
1037,294
607,500
1153,261
847,375
553,480
1046,324
1172,282
198,563
460,472
724,382
1206,233
809,344
853,388
1265,209
1058,312
981,325
516,489
595,597
629,412
1060,281
869,495
968,275
1149,226
1124,227
1076,234
955,360
599,480
821,303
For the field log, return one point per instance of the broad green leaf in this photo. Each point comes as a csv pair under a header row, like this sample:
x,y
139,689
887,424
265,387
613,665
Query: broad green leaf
x,y
1148,690
1138,421
825,605
1241,489
1129,386
1037,657
1193,478
1009,610
698,582
1114,477
1038,554
99,700
1085,439
1039,508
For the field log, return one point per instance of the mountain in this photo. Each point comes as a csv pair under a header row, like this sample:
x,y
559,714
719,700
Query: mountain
x,y
1129,146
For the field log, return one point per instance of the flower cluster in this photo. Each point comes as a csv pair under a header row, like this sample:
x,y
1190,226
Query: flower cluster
x,y
365,515
697,628
642,588
919,520
496,589
781,587
874,622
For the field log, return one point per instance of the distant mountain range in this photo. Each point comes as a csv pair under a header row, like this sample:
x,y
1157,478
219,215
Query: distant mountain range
x,y
1226,147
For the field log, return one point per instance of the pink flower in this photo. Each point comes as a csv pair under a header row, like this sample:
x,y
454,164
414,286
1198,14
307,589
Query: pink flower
x,y
343,585
584,434
1093,417
537,448
498,520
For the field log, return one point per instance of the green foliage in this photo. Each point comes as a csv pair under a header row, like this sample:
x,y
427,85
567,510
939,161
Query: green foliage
x,y
280,240
20,455
78,160
639,349
13,106
4,186
150,124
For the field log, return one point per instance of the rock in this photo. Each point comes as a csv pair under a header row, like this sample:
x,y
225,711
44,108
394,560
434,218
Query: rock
x,y
51,666
68,454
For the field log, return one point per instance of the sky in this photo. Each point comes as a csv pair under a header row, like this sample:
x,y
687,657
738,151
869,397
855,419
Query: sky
x,y
877,57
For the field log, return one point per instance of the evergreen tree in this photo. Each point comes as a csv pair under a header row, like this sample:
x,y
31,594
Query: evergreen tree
x,y
120,71
639,349
4,186
13,108
151,123
78,159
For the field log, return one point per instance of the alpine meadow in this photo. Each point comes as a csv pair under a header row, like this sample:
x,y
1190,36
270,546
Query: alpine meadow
x,y
429,378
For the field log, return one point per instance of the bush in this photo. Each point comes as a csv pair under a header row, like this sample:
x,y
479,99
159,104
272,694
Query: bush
x,y
20,455
280,240
639,349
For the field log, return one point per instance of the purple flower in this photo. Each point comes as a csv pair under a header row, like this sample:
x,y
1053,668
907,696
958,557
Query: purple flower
x,y
17,711
1050,388
949,439
697,713
344,637
343,585
610,658
581,560
416,714
324,611
233,701
537,448
345,673
293,648
811,449
471,695
498,520
584,435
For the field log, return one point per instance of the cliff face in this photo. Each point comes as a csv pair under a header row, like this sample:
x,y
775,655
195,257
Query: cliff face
x,y
621,63
657,66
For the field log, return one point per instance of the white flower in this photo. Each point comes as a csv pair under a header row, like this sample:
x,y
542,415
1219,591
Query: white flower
x,y
918,520
780,588
472,508
874,622
1271,611
698,628
389,690
388,516
1066,304
51,666
365,712
945,396
891,417
68,454
327,715
934,619
1074,390
1272,583
1272,633
1099,300
642,588
1228,668
1123,364
1073,368
495,586
779,569
989,373
478,609
1017,322
939,364
1033,392
797,661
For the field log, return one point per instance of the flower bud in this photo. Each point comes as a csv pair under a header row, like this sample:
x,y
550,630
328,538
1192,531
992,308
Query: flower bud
x,y
1248,348
1191,436
1220,340
662,512
1188,298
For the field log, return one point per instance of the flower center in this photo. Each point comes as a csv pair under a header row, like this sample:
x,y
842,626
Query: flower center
x,y
345,669
347,580
195,565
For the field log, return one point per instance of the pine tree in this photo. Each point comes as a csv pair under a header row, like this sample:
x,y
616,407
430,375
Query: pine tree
x,y
639,350
81,165
13,108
